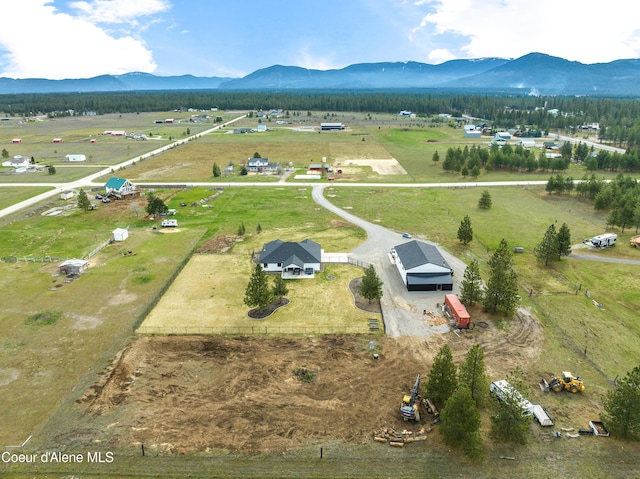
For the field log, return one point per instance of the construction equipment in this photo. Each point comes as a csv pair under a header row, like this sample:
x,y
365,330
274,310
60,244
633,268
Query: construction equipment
x,y
566,382
410,404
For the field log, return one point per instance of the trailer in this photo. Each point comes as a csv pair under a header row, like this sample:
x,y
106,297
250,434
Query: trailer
x,y
604,241
456,310
541,415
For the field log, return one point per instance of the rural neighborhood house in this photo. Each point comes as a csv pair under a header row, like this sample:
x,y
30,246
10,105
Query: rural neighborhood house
x,y
291,259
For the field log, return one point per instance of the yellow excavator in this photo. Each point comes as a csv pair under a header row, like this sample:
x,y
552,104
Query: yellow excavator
x,y
410,404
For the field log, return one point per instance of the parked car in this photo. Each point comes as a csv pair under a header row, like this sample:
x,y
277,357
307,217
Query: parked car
x,y
98,197
406,235
106,200
169,223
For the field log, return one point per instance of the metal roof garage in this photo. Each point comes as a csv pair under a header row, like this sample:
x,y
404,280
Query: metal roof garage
x,y
422,267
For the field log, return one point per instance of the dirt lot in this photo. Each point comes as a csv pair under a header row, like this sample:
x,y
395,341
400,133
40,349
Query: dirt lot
x,y
194,393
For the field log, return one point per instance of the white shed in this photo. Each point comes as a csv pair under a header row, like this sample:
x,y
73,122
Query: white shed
x,y
120,234
66,195
76,157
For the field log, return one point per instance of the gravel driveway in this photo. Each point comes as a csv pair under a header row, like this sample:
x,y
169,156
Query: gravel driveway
x,y
402,310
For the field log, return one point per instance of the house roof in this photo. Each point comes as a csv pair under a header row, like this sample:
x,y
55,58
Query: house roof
x,y
257,161
278,251
115,183
416,253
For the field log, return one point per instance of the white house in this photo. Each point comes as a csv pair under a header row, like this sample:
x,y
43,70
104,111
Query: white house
x,y
291,259
76,157
422,267
120,234
17,161
527,143
120,187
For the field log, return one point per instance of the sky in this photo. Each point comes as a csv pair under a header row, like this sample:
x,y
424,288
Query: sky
x,y
58,39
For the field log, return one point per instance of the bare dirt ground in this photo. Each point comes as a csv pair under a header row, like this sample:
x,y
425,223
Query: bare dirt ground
x,y
182,394
382,167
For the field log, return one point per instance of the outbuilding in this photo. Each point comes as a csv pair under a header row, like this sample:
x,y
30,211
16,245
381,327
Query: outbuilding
x,y
422,267
66,195
76,157
120,234
16,140
73,266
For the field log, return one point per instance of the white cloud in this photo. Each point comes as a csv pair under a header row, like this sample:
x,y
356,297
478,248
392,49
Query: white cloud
x,y
306,59
441,55
37,40
588,31
119,11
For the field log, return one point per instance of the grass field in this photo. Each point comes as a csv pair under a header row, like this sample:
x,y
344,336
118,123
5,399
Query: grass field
x,y
12,195
208,298
521,216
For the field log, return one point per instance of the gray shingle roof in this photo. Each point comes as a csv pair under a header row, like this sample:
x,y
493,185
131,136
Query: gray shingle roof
x,y
415,253
278,251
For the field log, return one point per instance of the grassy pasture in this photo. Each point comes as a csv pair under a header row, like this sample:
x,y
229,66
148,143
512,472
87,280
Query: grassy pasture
x,y
11,195
49,362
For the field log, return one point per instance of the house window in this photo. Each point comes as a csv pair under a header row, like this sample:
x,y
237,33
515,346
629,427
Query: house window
x,y
265,265
279,265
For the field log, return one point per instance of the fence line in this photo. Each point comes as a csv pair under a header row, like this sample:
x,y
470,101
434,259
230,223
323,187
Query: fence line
x,y
252,330
97,248
32,259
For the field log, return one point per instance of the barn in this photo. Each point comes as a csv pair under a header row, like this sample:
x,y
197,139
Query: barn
x,y
422,267
73,266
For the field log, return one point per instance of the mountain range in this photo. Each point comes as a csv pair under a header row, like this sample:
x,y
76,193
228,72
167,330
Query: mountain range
x,y
534,73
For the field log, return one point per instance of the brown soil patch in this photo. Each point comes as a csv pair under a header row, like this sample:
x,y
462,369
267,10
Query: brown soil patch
x,y
182,394
217,244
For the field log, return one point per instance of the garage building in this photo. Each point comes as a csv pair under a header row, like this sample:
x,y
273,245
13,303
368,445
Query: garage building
x,y
422,267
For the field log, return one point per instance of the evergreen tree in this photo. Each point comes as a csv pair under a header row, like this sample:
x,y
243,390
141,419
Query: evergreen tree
x,y
509,424
257,155
258,229
485,200
216,170
243,171
83,201
436,157
475,171
155,205
471,291
465,232
5,154
548,249
258,294
460,423
622,407
501,293
241,229
564,240
371,286
52,170
473,374
443,379
280,289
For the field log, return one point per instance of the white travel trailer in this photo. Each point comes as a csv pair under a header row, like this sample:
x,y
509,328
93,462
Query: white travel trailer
x,y
605,240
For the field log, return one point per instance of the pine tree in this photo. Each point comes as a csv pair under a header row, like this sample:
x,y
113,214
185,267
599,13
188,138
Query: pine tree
x,y
509,424
465,232
548,249
216,170
473,374
280,289
258,293
243,171
52,170
471,291
460,423
501,293
436,157
155,205
622,407
258,229
371,286
485,200
443,379
83,201
564,240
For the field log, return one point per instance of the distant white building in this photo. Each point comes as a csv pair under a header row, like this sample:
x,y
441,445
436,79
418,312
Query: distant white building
x,y
76,157
17,161
527,143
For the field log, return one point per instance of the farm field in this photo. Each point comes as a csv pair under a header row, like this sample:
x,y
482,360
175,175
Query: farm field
x,y
78,131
